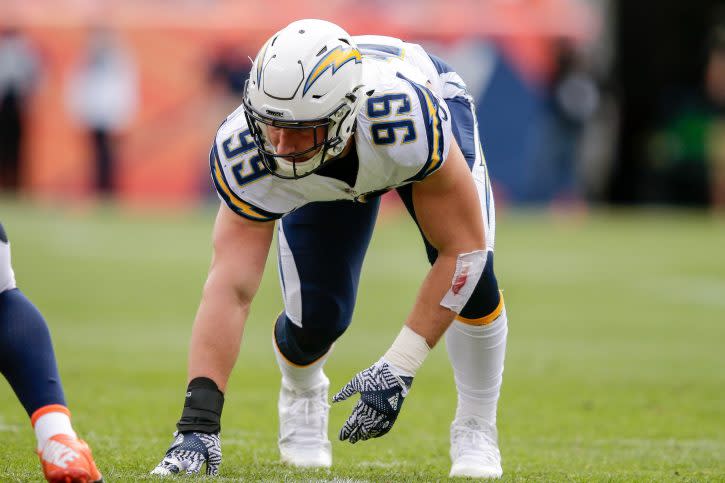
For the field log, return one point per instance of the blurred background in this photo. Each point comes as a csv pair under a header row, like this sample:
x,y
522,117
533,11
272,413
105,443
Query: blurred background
x,y
107,112
580,102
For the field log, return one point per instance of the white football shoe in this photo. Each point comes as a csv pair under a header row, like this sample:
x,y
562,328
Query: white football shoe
x,y
303,418
474,449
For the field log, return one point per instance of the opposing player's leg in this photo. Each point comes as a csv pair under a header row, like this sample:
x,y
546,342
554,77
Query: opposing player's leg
x,y
28,363
476,340
321,250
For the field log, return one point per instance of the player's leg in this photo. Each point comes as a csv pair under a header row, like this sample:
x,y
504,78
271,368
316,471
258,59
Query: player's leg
x,y
28,363
321,249
476,340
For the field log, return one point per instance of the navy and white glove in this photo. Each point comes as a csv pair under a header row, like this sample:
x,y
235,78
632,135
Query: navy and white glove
x,y
382,390
189,451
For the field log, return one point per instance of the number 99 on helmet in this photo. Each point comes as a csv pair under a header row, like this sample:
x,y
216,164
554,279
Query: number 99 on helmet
x,y
306,76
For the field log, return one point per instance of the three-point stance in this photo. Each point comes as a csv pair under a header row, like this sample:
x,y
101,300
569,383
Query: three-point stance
x,y
327,124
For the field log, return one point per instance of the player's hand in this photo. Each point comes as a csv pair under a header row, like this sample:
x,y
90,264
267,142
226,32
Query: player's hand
x,y
189,451
382,391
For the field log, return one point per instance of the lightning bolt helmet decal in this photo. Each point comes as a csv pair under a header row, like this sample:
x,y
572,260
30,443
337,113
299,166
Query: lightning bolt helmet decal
x,y
334,60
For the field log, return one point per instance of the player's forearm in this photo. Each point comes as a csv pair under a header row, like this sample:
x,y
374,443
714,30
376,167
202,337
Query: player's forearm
x,y
434,309
428,318
217,335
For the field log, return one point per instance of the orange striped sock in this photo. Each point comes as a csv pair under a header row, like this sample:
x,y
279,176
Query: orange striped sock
x,y
51,420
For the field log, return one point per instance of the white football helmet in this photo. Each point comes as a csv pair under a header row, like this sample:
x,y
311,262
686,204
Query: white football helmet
x,y
307,75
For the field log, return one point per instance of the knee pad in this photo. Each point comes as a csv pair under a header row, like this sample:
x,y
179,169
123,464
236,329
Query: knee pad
x,y
486,301
7,277
466,277
324,316
300,346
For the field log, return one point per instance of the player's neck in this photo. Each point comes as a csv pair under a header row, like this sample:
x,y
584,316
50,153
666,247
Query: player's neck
x,y
348,147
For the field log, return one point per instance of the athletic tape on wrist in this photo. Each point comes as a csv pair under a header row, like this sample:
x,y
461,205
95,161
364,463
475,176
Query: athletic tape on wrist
x,y
408,351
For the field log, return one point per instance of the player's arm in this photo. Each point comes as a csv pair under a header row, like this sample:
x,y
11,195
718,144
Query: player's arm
x,y
241,238
449,214
240,252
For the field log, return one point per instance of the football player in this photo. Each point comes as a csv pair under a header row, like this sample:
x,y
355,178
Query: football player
x,y
28,363
328,123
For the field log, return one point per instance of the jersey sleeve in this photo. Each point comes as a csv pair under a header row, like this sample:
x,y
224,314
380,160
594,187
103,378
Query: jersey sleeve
x,y
433,119
406,124
231,155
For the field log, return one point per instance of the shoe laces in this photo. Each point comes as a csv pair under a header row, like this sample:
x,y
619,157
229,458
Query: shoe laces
x,y
474,436
306,413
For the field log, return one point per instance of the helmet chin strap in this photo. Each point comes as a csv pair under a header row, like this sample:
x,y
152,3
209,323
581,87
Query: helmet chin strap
x,y
337,148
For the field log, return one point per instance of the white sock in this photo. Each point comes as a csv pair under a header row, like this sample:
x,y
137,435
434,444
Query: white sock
x,y
477,355
301,377
50,424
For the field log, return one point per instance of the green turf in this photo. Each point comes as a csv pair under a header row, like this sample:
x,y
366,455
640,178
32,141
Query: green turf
x,y
615,369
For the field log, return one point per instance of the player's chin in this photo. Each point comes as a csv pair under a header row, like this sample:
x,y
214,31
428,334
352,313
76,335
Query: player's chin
x,y
302,159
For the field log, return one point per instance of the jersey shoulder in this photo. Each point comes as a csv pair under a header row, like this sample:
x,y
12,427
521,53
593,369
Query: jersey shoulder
x,y
401,119
239,177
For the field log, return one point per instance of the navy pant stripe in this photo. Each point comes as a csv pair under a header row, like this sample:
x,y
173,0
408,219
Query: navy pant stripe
x,y
463,126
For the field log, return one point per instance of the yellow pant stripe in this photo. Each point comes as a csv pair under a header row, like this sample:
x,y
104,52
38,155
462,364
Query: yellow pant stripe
x,y
486,319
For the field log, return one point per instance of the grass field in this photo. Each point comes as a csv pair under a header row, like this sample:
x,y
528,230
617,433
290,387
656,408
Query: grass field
x,y
615,368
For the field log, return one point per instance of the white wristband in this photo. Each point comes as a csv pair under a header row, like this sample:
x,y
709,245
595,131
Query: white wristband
x,y
408,352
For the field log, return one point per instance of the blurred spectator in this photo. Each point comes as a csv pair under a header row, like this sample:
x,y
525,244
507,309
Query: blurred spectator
x,y
102,95
18,75
686,154
715,79
573,99
229,71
